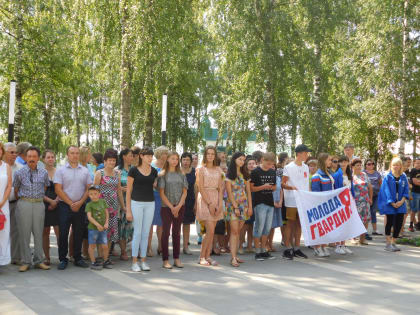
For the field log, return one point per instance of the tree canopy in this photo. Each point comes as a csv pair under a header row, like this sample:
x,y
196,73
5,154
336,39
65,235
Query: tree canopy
x,y
326,72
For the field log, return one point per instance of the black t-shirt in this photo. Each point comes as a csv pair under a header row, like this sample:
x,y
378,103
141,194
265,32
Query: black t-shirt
x,y
397,183
415,173
260,177
143,185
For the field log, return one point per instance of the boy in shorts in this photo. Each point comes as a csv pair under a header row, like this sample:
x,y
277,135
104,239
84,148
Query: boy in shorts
x,y
98,216
295,177
263,183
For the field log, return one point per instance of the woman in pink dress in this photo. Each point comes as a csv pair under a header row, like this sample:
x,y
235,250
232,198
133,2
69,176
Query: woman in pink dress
x,y
209,201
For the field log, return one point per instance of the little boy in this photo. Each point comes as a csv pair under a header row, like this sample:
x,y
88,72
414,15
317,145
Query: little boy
x,y
98,216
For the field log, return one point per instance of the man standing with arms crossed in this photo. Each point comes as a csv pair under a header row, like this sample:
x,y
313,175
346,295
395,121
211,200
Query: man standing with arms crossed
x,y
71,186
295,177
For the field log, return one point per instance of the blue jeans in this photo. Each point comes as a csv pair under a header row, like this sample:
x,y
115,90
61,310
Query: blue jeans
x,y
142,221
415,203
97,237
263,220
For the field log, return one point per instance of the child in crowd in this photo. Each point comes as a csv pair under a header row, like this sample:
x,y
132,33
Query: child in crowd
x,y
98,224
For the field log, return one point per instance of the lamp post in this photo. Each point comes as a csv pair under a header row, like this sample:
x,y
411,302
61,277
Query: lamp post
x,y
12,101
164,114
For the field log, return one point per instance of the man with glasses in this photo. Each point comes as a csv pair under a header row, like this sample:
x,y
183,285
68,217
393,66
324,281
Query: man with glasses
x,y
10,156
30,183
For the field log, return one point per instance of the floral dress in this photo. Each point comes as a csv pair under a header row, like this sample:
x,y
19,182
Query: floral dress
x,y
361,196
239,194
125,227
109,192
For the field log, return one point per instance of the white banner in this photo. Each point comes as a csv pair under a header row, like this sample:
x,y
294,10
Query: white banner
x,y
328,217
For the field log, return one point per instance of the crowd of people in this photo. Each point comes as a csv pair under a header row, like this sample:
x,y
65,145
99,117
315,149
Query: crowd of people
x,y
95,202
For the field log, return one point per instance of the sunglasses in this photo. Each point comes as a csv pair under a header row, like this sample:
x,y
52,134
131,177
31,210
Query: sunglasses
x,y
370,163
335,161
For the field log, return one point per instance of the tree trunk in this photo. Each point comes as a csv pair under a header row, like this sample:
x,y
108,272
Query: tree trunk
x,y
125,130
317,104
19,73
403,106
101,143
174,131
77,118
47,121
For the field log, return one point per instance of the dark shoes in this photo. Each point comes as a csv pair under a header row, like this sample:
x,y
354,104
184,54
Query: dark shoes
x,y
107,264
298,253
288,254
62,265
81,263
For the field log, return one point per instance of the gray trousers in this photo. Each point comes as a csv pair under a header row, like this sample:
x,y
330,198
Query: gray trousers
x,y
14,233
30,218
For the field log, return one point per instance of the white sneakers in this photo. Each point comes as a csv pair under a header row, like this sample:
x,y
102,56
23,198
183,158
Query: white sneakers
x,y
340,250
143,267
321,252
347,250
135,267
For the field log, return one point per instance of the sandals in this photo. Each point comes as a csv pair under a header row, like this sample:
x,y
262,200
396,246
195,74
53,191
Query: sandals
x,y
239,260
124,257
149,253
234,262
167,265
203,262
47,262
212,262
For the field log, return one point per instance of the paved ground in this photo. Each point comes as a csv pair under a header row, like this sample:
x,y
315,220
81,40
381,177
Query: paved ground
x,y
371,281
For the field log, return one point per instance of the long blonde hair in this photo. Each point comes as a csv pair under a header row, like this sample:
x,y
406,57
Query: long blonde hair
x,y
396,160
165,169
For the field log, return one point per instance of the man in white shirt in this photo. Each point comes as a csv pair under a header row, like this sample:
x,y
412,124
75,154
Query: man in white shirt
x,y
295,177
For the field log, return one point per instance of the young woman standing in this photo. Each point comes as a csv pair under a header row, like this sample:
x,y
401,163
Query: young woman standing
x,y
239,204
51,203
209,201
125,227
190,208
173,187
140,201
161,154
342,178
391,200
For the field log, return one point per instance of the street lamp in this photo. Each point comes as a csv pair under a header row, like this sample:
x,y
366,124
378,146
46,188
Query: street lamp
x,y
164,114
12,100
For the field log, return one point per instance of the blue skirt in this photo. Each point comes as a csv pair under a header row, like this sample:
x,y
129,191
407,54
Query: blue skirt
x,y
157,219
277,219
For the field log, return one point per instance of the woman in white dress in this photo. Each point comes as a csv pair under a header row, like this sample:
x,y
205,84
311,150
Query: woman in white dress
x,y
5,188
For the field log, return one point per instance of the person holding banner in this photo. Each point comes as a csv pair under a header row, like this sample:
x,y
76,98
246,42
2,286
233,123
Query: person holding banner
x,y
363,193
391,201
323,181
295,177
342,178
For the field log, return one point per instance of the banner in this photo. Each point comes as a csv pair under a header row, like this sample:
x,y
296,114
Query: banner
x,y
328,217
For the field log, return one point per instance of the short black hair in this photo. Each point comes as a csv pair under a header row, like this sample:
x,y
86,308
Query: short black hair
x,y
99,158
186,155
111,154
33,148
94,187
71,146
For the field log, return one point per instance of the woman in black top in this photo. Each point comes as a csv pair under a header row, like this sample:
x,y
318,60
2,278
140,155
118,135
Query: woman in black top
x,y
140,202
51,202
189,216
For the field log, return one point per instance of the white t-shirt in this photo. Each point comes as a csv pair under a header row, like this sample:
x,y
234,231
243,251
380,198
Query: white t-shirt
x,y
299,178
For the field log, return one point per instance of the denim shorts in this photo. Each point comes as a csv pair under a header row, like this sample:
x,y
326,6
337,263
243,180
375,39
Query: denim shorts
x,y
263,219
97,237
415,203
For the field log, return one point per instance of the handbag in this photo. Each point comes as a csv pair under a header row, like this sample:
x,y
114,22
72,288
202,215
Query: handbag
x,y
2,220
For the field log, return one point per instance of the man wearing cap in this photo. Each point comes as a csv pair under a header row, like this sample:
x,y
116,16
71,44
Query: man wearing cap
x,y
30,183
71,184
10,156
295,177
